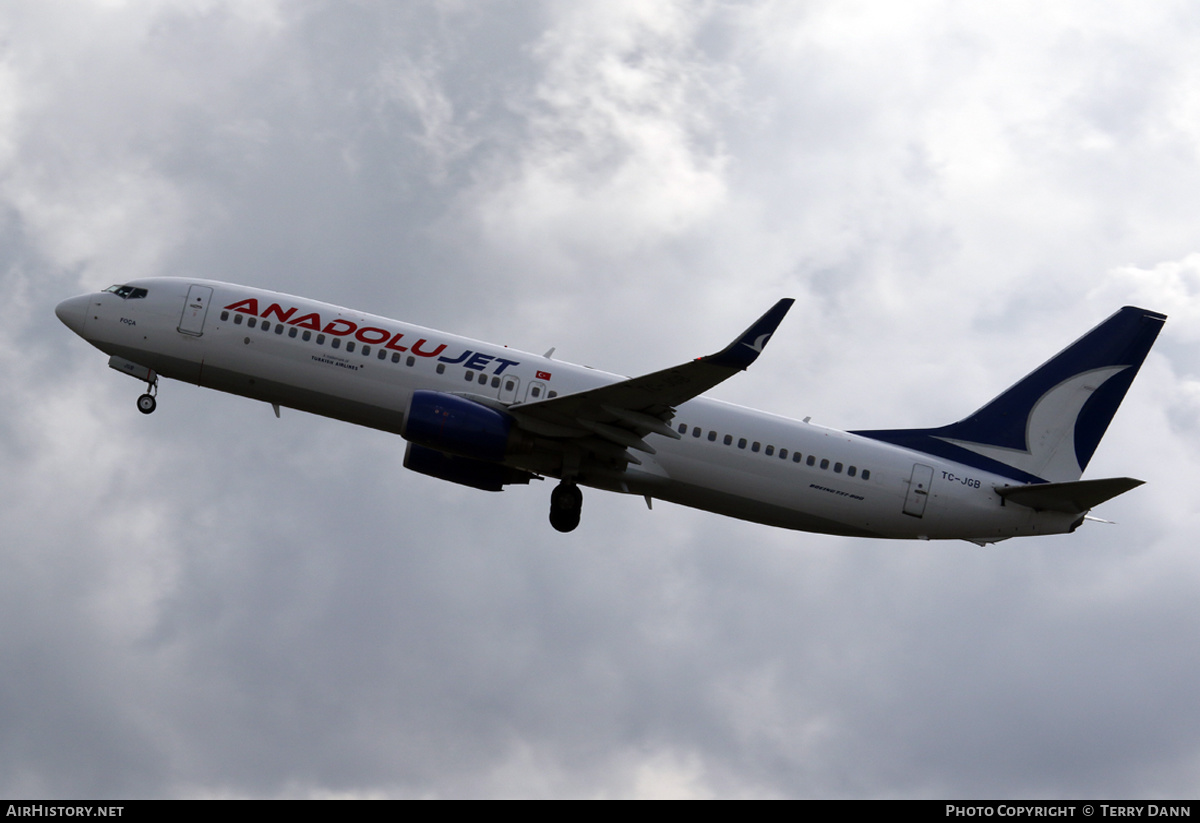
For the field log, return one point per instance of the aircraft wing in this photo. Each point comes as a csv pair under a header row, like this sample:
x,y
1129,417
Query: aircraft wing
x,y
622,414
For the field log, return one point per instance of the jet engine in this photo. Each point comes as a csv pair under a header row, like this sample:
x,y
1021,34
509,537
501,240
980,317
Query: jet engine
x,y
455,425
490,477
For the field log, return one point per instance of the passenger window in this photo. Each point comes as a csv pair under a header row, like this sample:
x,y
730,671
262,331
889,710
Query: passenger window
x,y
395,355
441,368
783,454
482,379
320,340
224,315
683,428
495,382
712,437
383,355
866,475
293,331
769,451
470,376
796,457
411,361
552,393
695,431
237,320
306,336
349,345
535,392
741,443
811,461
728,439
367,351
824,463
755,446
279,329
335,343
851,471
837,468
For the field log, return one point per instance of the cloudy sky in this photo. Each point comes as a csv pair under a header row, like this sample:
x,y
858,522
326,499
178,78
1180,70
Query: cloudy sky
x,y
212,602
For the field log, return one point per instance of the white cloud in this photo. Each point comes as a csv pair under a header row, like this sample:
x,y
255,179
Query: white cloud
x,y
620,148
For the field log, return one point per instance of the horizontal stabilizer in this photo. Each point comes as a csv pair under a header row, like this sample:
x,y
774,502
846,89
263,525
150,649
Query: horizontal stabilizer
x,y
1073,498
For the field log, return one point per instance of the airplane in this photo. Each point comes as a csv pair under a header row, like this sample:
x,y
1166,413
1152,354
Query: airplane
x,y
487,416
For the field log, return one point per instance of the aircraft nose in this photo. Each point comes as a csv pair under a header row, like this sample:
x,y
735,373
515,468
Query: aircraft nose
x,y
73,312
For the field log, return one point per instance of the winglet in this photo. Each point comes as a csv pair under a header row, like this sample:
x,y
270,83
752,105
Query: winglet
x,y
745,350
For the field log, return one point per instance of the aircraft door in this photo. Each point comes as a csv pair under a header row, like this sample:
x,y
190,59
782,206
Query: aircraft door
x,y
918,490
536,391
195,309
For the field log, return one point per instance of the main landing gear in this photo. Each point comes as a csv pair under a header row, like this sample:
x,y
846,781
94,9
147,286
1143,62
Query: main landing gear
x,y
146,403
566,503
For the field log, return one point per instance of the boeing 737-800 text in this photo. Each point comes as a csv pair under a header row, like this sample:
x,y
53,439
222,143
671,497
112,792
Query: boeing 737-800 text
x,y
488,416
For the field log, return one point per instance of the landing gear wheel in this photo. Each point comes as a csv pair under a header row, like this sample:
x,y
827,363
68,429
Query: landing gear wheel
x,y
566,504
146,403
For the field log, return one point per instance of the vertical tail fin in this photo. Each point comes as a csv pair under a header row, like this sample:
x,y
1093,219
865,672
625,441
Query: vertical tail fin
x,y
1047,426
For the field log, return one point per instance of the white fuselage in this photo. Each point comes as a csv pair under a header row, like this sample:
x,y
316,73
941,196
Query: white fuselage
x,y
363,369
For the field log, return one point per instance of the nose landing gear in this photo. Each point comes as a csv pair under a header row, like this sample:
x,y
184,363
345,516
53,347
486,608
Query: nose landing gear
x,y
566,504
146,403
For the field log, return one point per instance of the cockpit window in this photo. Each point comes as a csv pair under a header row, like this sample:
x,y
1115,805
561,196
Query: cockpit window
x,y
126,292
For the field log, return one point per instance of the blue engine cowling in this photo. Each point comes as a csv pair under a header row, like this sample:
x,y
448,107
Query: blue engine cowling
x,y
455,425
491,477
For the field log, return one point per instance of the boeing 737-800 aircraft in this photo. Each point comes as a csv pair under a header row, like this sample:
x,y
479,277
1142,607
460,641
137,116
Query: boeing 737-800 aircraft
x,y
488,416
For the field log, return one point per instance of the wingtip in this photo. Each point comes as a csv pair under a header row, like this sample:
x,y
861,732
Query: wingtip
x,y
749,344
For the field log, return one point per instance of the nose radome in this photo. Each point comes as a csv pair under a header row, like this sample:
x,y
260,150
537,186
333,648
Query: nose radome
x,y
73,312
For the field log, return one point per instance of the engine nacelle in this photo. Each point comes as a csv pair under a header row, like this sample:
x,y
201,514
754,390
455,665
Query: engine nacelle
x,y
490,477
454,425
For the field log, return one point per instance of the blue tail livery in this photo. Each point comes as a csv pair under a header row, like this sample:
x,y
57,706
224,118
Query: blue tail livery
x,y
1046,427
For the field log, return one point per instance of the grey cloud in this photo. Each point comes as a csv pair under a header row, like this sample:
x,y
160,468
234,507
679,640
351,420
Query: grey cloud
x,y
210,601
